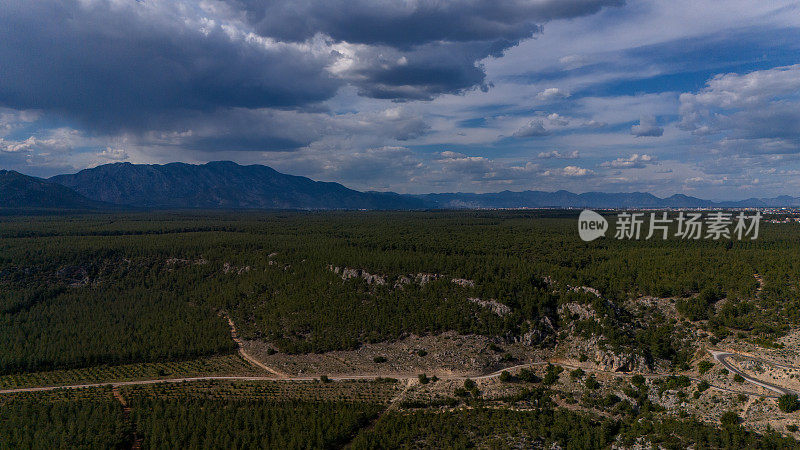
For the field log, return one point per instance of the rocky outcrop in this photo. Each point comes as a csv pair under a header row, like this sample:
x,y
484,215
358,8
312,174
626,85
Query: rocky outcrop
x,y
74,276
584,312
463,282
423,278
587,289
185,262
419,278
229,268
615,362
495,306
347,273
540,332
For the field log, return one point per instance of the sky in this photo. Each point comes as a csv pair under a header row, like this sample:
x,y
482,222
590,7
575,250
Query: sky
x,y
697,97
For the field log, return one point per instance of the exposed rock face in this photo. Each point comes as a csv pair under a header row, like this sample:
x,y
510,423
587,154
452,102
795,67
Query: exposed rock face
x,y
402,281
423,278
463,282
587,289
614,362
495,306
348,273
541,332
228,268
420,278
584,312
185,262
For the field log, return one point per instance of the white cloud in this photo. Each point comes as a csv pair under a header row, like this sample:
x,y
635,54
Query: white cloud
x,y
647,127
57,140
568,171
571,62
635,161
756,112
557,120
533,129
558,155
594,124
551,94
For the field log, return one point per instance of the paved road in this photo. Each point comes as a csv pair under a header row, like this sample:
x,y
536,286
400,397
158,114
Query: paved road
x,y
722,358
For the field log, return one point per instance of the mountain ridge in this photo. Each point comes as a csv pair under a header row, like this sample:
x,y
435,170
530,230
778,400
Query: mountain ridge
x,y
228,185
221,184
22,191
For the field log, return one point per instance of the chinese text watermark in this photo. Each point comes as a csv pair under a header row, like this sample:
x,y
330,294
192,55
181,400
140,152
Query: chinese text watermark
x,y
714,225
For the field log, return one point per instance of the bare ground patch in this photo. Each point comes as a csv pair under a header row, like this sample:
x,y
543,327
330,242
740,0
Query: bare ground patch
x,y
447,354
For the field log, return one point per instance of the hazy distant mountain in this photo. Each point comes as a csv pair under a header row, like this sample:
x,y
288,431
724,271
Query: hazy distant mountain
x,y
22,191
563,199
775,202
225,184
221,184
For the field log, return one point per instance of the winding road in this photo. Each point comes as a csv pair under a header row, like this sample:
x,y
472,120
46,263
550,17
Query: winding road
x,y
722,358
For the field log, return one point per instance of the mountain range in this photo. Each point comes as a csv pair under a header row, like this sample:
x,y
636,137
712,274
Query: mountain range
x,y
225,184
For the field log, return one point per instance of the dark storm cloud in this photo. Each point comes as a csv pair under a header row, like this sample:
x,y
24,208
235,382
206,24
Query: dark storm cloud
x,y
404,24
123,65
249,76
420,49
126,64
419,74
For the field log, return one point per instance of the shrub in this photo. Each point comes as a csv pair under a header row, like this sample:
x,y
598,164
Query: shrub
x,y
528,376
592,383
506,377
610,400
788,403
704,366
551,376
730,418
379,359
738,378
577,373
423,379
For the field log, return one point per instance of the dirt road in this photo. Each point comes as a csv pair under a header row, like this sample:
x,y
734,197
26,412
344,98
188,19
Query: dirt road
x,y
244,354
